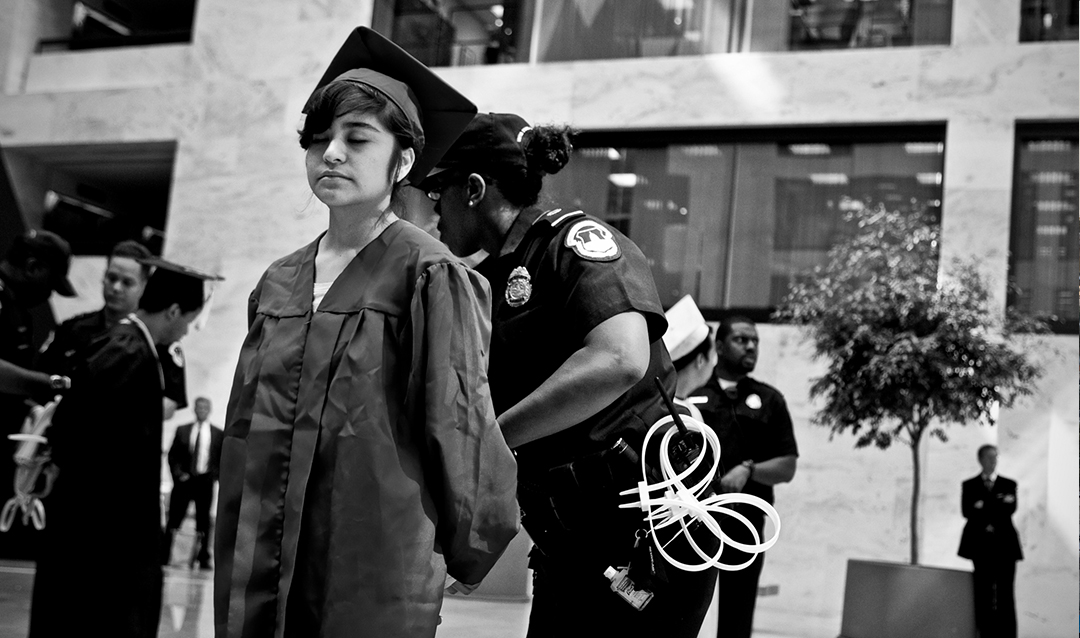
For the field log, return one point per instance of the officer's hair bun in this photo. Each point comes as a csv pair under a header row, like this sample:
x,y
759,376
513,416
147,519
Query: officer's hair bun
x,y
548,148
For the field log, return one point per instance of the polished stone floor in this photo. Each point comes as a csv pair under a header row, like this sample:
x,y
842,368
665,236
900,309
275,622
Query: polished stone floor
x,y
187,602
187,609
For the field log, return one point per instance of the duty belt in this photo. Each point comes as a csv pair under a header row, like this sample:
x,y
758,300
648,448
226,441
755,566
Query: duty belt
x,y
610,467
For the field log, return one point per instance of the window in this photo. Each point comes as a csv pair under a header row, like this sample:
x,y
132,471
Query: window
x,y
733,222
468,32
93,195
1044,253
844,24
96,24
471,32
1043,20
592,30
458,32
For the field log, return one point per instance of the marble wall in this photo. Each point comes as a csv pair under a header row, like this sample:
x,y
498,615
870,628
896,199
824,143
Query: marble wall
x,y
231,100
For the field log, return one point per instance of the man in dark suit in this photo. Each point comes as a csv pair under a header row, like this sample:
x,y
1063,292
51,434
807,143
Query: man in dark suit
x,y
193,460
990,541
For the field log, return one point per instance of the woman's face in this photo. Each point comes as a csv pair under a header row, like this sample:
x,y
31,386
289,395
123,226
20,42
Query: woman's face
x,y
458,222
349,163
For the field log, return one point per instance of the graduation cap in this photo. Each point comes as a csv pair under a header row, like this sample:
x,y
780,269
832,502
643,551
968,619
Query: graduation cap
x,y
686,328
171,283
431,104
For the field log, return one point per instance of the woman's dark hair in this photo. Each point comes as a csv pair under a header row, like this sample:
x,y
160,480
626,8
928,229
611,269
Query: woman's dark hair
x,y
701,349
547,151
338,98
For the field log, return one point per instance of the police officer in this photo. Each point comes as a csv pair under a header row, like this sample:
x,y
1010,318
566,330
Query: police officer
x,y
575,348
35,265
74,341
757,449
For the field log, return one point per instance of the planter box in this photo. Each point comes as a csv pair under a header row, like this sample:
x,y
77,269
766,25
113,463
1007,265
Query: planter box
x,y
898,600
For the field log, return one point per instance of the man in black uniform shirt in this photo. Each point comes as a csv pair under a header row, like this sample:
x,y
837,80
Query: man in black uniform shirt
x,y
35,266
106,501
79,337
757,450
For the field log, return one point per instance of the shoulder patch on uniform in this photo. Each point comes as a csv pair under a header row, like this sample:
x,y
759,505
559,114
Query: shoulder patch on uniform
x,y
593,241
177,354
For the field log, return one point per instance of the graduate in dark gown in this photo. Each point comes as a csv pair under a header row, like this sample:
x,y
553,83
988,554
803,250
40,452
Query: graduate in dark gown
x,y
75,340
104,511
362,461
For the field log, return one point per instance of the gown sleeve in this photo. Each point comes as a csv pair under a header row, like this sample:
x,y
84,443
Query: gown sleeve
x,y
472,473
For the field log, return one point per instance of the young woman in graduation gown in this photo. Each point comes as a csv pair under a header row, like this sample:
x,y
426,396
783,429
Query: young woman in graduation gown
x,y
362,461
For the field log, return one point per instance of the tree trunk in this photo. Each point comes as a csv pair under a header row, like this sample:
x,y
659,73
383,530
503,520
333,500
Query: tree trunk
x,y
916,484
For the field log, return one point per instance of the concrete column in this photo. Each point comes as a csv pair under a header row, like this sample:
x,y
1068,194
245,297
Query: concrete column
x,y
985,22
977,198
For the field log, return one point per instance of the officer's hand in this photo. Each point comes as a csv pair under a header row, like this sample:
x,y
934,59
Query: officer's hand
x,y
458,587
184,476
978,505
735,479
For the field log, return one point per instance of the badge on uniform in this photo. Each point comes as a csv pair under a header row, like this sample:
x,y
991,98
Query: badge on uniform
x,y
593,241
518,287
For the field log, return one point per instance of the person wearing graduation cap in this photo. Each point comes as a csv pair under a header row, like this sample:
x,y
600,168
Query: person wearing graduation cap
x,y
690,344
73,341
362,462
105,505
576,351
758,450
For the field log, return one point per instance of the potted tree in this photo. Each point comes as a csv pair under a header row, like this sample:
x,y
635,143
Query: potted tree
x,y
909,352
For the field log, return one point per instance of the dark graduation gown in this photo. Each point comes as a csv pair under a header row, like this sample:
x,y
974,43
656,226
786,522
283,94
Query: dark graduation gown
x,y
105,508
75,340
361,449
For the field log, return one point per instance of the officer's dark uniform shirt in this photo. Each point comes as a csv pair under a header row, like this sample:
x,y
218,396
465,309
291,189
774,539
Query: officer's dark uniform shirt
x,y
16,329
81,336
74,341
754,425
17,347
580,272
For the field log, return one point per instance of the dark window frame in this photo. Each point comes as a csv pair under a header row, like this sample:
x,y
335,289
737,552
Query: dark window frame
x,y
1027,130
794,134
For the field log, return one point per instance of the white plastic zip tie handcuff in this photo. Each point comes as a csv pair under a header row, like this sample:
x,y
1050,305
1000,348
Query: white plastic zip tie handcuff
x,y
28,467
671,501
